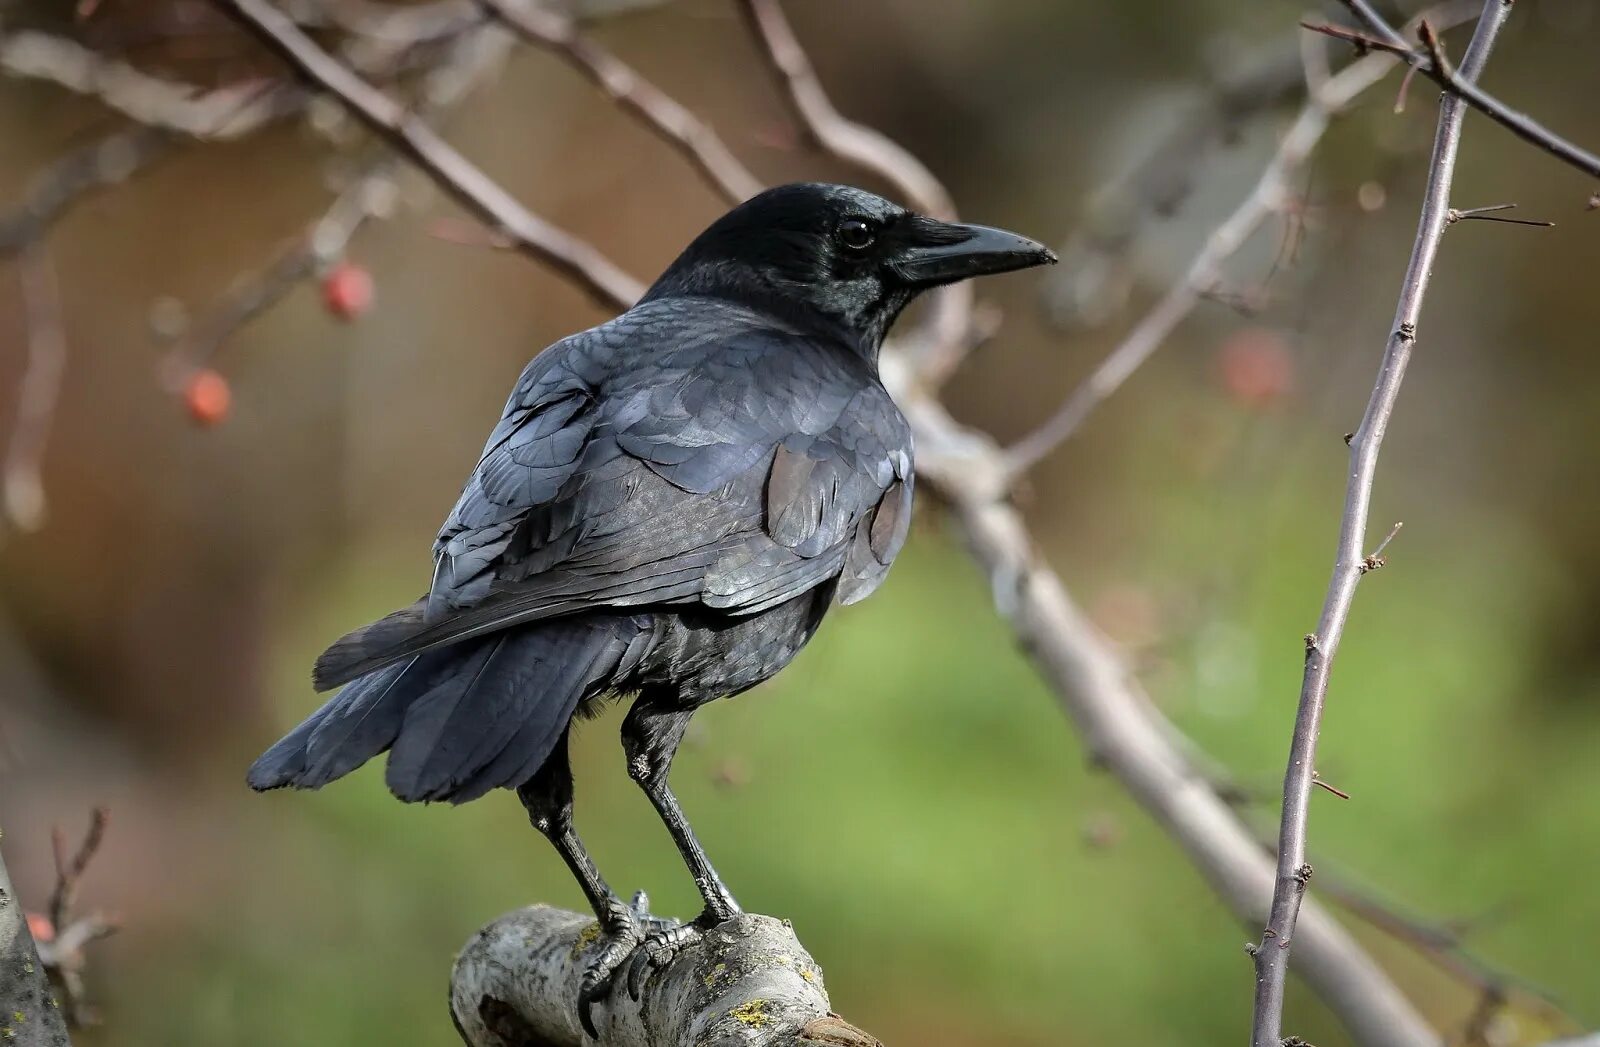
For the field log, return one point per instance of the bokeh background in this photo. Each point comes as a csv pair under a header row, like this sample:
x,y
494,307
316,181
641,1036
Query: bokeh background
x,y
907,793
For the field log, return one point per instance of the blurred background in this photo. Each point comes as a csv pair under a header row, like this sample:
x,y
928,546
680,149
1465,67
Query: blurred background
x,y
908,792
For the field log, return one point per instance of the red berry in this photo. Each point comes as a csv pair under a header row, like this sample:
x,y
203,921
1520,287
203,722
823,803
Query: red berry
x,y
347,291
41,928
207,396
1255,367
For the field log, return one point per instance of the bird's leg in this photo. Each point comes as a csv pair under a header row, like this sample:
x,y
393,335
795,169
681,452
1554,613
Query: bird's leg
x,y
650,737
547,796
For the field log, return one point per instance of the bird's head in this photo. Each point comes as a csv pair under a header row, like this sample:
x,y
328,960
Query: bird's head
x,y
837,257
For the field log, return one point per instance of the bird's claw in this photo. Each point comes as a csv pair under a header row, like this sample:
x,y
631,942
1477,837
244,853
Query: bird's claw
x,y
657,950
624,930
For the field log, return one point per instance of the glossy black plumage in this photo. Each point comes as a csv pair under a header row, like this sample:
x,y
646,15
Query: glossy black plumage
x,y
668,506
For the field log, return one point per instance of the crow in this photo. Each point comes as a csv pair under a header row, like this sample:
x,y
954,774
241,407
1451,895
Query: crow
x,y
667,508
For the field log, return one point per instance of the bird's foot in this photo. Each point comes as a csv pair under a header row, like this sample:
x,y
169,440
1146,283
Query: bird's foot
x,y
623,929
660,947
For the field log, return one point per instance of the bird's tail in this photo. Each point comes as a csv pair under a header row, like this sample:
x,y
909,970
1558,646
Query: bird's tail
x,y
463,719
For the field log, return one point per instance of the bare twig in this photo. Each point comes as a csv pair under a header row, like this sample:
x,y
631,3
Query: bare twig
x,y
70,870
1460,84
451,171
1272,192
1272,954
63,952
223,113
631,92
371,194
22,496
944,339
103,164
1444,946
1487,214
1094,277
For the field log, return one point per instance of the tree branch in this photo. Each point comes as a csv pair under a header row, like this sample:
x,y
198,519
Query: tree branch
x,y
944,338
1125,733
454,173
62,952
750,984
22,498
224,113
631,92
1270,195
1272,953
1460,83
104,164
30,1016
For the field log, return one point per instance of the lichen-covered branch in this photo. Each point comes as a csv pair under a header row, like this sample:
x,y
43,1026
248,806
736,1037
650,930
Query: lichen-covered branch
x,y
30,1015
749,983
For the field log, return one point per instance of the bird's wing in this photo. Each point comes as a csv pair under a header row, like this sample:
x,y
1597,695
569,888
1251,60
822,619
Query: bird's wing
x,y
734,472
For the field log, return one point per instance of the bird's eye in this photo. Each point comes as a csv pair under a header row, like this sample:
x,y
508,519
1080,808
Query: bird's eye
x,y
855,234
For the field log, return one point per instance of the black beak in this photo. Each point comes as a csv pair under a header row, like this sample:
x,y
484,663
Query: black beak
x,y
943,252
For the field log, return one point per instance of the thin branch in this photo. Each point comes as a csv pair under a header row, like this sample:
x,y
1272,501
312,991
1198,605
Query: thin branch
x,y
371,194
1272,953
833,132
607,284
1444,947
1094,277
945,337
1487,214
69,871
1270,195
62,952
631,92
1460,84
22,496
220,114
1124,731
103,164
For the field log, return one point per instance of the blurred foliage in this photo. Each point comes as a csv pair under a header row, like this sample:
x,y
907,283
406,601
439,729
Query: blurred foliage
x,y
907,792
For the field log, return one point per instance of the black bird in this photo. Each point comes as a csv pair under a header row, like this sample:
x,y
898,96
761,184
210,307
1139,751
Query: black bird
x,y
667,508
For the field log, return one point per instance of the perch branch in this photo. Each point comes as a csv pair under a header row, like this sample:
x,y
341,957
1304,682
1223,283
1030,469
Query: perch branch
x,y
750,984
1272,952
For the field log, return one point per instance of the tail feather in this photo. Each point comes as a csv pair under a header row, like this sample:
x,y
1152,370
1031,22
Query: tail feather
x,y
370,647
458,720
361,725
524,751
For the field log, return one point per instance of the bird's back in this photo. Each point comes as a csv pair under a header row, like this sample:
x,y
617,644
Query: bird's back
x,y
670,501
